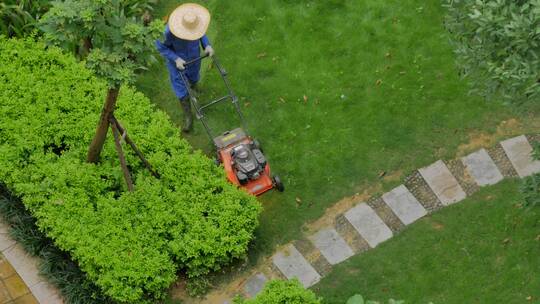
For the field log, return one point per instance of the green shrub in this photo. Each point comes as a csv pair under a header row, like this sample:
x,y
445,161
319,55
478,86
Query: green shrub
x,y
130,244
19,17
531,185
279,291
498,43
55,264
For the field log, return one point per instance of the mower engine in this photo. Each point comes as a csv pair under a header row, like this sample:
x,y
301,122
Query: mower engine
x,y
248,161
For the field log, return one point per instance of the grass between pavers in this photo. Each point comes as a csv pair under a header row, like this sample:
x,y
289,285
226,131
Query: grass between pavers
x,y
482,250
337,92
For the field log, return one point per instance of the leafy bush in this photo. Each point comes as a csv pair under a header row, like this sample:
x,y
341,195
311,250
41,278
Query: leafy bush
x,y
56,265
358,299
18,17
279,291
292,292
498,43
130,244
531,185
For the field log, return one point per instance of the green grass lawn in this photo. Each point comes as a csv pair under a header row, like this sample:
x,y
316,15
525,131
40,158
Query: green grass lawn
x,y
485,249
336,91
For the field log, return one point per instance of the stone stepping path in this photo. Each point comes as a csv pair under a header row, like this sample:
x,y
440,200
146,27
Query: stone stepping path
x,y
26,267
293,265
482,168
368,224
519,152
255,284
443,183
332,246
404,205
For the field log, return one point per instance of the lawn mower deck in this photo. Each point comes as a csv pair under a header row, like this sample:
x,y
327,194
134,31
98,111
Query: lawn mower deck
x,y
244,162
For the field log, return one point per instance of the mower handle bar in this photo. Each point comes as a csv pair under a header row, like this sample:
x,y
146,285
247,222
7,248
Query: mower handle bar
x,y
199,108
193,61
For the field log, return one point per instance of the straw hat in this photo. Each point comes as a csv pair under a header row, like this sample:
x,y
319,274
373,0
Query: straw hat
x,y
189,21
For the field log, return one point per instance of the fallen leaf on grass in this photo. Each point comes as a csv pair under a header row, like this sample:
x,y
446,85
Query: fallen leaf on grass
x,y
261,55
281,99
247,104
382,173
529,298
378,82
298,201
538,237
506,241
305,98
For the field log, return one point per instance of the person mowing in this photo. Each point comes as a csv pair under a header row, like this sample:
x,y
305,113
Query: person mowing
x,y
185,34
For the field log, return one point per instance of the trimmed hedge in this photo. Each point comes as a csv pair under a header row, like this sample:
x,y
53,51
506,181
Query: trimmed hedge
x,y
280,291
55,264
130,244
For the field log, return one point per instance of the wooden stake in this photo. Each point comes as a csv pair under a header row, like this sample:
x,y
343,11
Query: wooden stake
x,y
120,152
133,146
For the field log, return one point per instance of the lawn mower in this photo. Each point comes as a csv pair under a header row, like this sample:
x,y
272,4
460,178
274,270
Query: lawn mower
x,y
241,155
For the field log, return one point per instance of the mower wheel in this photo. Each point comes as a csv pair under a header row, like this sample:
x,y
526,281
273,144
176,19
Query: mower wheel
x,y
278,184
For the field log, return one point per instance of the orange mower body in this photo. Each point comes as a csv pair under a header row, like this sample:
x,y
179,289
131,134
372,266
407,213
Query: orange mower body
x,y
229,146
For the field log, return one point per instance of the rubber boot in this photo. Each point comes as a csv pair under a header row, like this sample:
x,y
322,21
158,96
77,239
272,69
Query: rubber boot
x,y
188,116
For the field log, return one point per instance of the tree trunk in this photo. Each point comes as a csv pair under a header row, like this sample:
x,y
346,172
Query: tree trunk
x,y
101,131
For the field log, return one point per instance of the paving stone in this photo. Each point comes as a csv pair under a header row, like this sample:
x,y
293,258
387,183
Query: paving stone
x,y
45,293
25,264
422,192
255,284
4,294
482,168
313,256
4,228
519,151
443,183
6,270
293,265
404,204
27,299
332,245
385,213
6,242
368,224
462,175
16,286
355,241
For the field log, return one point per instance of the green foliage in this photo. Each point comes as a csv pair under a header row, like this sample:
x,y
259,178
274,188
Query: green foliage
x,y
18,17
292,292
56,265
280,291
531,190
358,299
499,43
531,185
131,244
118,38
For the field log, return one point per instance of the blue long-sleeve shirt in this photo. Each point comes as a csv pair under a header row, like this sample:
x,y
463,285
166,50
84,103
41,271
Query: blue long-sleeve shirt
x,y
173,48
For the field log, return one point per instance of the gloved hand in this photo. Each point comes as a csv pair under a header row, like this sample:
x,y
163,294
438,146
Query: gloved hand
x,y
180,64
209,51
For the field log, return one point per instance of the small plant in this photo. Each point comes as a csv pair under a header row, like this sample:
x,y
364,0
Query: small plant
x,y
280,291
18,18
497,43
358,299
